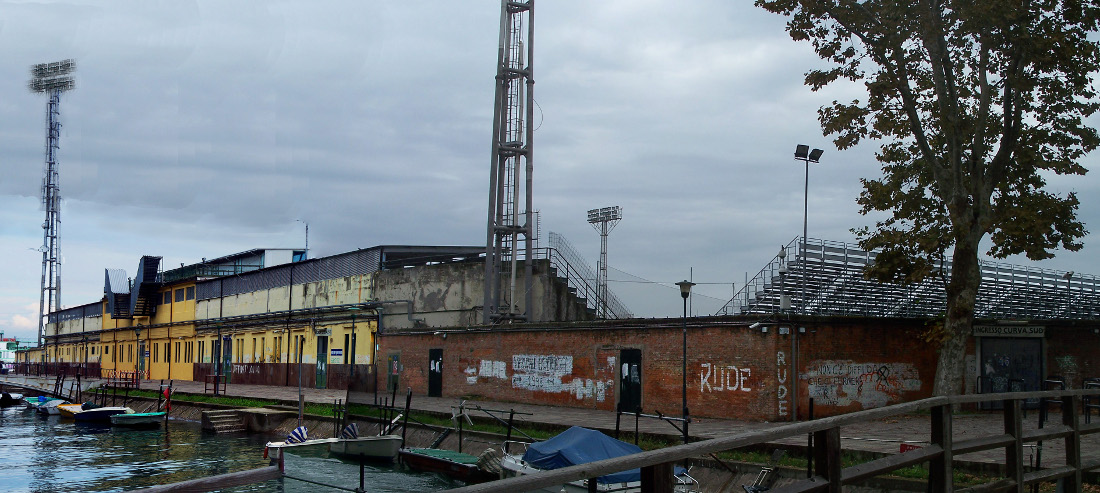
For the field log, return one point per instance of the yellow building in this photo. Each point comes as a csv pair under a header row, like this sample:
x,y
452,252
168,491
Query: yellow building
x,y
252,317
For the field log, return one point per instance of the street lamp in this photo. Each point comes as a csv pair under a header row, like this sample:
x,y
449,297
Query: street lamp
x,y
685,291
804,154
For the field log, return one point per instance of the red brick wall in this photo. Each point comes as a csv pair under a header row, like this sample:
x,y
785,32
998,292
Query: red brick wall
x,y
733,371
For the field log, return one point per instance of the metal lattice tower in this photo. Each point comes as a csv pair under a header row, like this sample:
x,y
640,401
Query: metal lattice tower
x,y
603,220
510,221
52,79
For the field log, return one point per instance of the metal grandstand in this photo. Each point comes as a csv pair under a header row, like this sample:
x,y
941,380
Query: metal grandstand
x,y
835,286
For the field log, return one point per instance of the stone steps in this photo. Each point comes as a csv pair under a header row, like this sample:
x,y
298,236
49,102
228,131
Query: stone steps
x,y
228,421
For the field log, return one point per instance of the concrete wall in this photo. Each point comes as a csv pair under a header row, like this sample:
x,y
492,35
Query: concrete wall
x,y
452,295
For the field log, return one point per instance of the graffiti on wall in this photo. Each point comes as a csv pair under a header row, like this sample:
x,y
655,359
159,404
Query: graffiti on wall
x,y
543,373
540,372
723,378
782,394
844,382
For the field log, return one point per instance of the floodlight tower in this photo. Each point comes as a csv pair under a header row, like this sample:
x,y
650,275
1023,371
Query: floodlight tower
x,y
603,220
52,79
509,219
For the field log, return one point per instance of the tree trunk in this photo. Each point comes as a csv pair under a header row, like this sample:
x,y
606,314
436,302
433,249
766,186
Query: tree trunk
x,y
962,291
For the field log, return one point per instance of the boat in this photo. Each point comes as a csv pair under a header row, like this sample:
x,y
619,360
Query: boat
x,y
455,465
297,441
138,420
100,414
69,410
579,445
7,399
50,407
374,448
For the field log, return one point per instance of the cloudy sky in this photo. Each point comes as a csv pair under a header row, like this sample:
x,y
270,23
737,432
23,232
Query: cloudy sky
x,y
200,129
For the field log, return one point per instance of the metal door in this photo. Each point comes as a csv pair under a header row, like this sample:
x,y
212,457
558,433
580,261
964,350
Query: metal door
x,y
1011,364
227,358
435,373
322,361
630,380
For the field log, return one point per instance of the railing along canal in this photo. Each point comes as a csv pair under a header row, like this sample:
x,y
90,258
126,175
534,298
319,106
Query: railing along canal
x,y
830,476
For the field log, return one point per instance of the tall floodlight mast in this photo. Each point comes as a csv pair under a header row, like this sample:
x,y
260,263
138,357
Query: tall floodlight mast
x,y
52,79
603,220
510,221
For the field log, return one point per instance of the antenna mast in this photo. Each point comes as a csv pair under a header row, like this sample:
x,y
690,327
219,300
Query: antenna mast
x,y
510,221
52,79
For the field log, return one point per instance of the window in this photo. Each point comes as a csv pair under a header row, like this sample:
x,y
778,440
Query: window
x,y
190,292
167,353
277,356
179,295
130,353
156,353
254,349
202,350
167,297
263,348
177,351
298,256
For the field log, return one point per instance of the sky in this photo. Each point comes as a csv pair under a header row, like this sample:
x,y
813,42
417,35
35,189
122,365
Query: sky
x,y
203,128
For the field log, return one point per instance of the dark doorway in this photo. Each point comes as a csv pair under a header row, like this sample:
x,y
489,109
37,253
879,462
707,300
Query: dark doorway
x,y
227,358
1011,364
322,361
630,380
435,373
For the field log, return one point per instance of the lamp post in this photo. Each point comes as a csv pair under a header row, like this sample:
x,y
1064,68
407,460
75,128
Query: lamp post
x,y
685,291
803,153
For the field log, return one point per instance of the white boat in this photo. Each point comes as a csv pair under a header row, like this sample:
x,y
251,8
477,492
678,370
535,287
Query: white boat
x,y
50,408
274,450
378,448
579,445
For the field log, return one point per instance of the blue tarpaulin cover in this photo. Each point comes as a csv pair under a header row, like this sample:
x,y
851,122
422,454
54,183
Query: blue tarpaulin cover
x,y
579,446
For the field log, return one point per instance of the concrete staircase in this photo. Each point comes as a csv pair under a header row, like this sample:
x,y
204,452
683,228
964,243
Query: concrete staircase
x,y
227,421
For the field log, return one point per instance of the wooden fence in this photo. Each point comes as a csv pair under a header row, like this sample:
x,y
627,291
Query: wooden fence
x,y
830,476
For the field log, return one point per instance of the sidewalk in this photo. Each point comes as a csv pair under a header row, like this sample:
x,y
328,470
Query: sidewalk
x,y
880,436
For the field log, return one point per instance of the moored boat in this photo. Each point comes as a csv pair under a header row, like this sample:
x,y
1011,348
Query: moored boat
x,y
138,420
100,414
69,410
455,465
9,399
377,448
50,407
579,445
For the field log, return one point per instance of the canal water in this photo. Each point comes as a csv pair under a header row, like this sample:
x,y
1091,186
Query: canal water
x,y
47,454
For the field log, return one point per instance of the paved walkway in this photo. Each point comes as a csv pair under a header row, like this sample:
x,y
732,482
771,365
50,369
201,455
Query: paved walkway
x,y
880,436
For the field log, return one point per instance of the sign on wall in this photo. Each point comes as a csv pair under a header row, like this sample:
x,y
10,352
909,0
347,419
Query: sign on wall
x,y
1009,331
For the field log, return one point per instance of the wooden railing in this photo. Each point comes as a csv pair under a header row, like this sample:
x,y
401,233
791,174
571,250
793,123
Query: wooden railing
x,y
830,476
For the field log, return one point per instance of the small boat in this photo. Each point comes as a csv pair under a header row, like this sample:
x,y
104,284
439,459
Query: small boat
x,y
50,407
375,448
138,420
7,399
455,465
299,443
579,445
100,414
69,410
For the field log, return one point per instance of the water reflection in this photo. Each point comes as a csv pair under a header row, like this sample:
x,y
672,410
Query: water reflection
x,y
40,454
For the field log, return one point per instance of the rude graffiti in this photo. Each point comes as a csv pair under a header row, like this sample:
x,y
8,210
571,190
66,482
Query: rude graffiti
x,y
782,394
722,378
